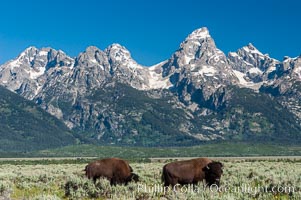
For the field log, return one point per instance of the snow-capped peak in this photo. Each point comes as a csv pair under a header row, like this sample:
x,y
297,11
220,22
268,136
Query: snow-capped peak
x,y
118,49
200,33
30,49
116,46
199,44
28,52
251,49
118,53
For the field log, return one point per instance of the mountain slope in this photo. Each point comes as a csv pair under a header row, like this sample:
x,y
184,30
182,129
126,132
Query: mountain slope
x,y
25,127
28,73
286,87
199,94
130,117
252,67
259,117
198,68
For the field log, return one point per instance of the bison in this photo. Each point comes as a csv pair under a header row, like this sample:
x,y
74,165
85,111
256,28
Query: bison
x,y
116,170
192,171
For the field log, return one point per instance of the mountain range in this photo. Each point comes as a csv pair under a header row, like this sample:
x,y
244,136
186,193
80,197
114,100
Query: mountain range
x,y
197,95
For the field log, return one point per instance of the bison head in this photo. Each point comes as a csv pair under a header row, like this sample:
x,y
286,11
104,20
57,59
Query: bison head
x,y
133,177
213,172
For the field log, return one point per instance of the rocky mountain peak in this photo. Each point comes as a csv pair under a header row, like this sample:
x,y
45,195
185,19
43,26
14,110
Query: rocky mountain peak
x,y
28,72
116,46
198,47
30,50
285,58
199,38
291,67
251,49
198,34
35,58
198,69
91,56
118,54
251,66
109,96
122,64
90,52
91,49
26,56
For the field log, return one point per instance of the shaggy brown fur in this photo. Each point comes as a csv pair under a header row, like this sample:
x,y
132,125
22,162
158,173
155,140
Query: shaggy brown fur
x,y
116,170
191,172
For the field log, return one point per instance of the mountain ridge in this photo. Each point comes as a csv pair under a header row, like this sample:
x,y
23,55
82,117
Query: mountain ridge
x,y
198,79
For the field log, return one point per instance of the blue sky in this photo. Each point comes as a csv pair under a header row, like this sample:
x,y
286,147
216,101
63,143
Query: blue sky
x,y
151,29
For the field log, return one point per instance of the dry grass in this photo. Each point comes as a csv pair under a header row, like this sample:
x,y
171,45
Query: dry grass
x,y
242,179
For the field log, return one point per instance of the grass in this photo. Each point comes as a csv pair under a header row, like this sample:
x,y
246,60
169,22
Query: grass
x,y
219,149
67,181
222,149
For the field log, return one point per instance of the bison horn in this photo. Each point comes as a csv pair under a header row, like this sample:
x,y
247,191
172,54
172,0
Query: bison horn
x,y
207,167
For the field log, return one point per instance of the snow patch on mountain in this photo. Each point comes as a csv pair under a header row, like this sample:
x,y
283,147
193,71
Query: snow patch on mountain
x,y
207,71
198,59
43,53
251,49
255,70
200,33
155,78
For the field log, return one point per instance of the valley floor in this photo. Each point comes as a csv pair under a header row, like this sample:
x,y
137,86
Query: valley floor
x,y
243,178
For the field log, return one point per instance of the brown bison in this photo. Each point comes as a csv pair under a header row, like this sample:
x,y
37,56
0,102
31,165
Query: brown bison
x,y
116,170
192,171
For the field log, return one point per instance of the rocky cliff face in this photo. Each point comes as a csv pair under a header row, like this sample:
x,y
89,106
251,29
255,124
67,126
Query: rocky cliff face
x,y
195,95
198,69
286,86
251,65
27,73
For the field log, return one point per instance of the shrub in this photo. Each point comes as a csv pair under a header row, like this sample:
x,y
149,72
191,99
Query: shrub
x,y
5,189
46,197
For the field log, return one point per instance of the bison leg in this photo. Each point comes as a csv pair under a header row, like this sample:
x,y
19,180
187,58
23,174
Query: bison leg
x,y
113,181
194,182
169,179
94,179
166,183
174,182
